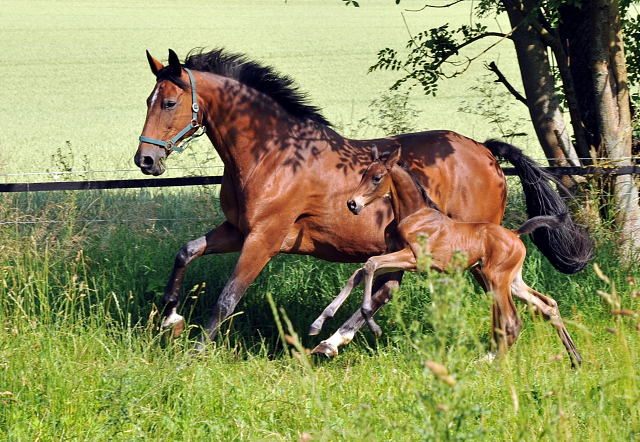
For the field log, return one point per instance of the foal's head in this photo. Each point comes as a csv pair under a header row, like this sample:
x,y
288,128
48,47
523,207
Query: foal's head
x,y
375,182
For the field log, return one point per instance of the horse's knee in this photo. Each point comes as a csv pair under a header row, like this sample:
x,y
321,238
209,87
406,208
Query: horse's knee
x,y
189,250
370,266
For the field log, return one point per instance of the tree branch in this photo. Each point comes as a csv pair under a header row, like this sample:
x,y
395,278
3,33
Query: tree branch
x,y
502,79
433,6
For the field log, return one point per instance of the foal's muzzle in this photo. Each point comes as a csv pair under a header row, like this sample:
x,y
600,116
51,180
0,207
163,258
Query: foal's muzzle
x,y
354,207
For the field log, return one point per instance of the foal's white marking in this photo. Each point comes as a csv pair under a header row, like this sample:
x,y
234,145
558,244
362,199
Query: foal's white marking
x,y
337,340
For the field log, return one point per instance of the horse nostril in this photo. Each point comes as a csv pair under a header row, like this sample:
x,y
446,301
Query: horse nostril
x,y
147,161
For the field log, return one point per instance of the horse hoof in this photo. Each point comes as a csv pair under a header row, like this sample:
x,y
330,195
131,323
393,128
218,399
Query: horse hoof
x,y
487,359
325,348
176,322
313,330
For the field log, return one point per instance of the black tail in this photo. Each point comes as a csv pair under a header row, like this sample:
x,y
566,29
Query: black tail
x,y
568,247
547,221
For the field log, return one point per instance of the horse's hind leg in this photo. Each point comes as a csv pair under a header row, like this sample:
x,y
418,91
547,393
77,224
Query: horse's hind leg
x,y
505,322
223,239
331,309
548,307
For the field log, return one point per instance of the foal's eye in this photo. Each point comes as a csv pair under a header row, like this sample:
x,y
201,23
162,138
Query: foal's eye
x,y
376,179
169,104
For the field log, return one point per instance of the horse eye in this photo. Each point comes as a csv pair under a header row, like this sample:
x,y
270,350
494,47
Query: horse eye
x,y
169,104
376,179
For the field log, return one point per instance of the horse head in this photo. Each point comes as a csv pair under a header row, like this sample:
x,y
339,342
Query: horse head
x,y
172,115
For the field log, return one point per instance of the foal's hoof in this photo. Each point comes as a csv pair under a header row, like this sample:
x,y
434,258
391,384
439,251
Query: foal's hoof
x,y
325,348
176,322
314,330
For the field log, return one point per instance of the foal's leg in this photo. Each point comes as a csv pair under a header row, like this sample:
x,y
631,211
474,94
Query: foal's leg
x,y
223,239
505,322
383,287
330,310
548,307
376,265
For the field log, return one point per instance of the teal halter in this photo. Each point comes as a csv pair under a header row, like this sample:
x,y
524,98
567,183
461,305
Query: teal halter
x,y
172,144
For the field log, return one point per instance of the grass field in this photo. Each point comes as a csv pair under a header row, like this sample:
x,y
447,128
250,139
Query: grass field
x,y
81,357
76,70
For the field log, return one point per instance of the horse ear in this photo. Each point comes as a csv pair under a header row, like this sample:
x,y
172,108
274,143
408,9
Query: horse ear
x,y
154,64
174,63
393,158
374,153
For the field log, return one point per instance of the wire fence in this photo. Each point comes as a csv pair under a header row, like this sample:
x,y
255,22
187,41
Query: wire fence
x,y
106,220
98,171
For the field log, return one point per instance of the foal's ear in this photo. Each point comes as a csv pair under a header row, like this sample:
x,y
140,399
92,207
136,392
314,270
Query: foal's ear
x,y
393,158
374,153
154,64
174,63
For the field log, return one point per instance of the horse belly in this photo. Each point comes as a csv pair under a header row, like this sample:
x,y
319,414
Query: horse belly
x,y
346,238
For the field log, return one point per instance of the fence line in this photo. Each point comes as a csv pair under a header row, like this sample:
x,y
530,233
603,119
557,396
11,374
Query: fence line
x,y
78,172
90,171
217,179
110,184
98,220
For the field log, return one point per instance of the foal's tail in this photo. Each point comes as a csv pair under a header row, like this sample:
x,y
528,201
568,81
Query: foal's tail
x,y
547,221
568,246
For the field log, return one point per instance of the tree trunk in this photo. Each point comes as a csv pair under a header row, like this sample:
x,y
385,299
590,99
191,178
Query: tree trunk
x,y
612,107
538,83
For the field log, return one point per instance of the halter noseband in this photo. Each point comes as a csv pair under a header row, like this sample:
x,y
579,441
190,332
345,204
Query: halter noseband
x,y
172,144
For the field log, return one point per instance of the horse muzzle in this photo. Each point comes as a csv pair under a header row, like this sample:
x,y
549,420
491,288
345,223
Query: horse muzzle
x,y
149,163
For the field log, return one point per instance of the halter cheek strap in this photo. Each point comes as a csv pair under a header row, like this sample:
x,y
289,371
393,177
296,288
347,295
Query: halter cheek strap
x,y
172,144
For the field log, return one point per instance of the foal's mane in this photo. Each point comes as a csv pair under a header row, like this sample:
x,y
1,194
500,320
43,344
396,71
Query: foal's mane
x,y
281,88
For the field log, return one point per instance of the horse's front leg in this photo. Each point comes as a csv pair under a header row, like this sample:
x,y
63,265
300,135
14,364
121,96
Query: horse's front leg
x,y
257,250
383,288
401,260
223,239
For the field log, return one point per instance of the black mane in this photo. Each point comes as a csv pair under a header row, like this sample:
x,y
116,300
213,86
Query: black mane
x,y
281,88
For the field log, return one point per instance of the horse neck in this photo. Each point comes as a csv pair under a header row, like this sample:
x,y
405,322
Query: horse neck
x,y
406,198
238,119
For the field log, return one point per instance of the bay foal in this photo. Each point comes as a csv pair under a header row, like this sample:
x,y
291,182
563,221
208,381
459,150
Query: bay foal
x,y
496,253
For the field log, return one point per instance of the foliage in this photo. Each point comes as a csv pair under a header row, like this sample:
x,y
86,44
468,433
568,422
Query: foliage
x,y
392,113
494,97
428,52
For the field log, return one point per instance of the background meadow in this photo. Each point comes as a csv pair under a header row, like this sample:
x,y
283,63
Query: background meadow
x,y
80,353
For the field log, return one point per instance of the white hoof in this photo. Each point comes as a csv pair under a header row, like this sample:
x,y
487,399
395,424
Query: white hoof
x,y
488,358
176,321
325,348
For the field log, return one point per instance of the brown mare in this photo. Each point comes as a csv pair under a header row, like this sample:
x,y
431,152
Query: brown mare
x,y
497,253
287,175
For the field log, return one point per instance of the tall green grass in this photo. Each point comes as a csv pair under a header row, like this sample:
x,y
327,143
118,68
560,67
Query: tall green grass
x,y
81,356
